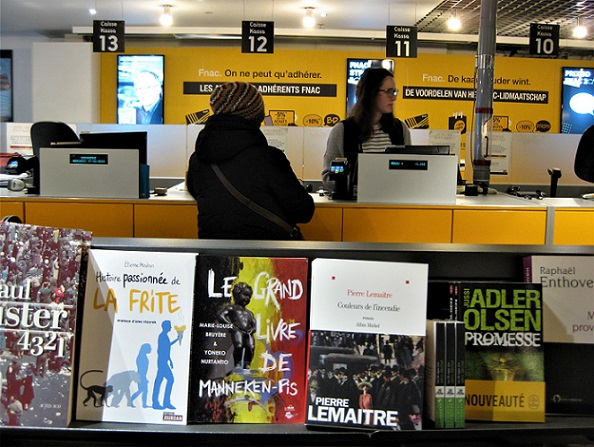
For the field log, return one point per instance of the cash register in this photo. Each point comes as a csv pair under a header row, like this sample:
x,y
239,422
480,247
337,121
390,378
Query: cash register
x,y
423,175
106,165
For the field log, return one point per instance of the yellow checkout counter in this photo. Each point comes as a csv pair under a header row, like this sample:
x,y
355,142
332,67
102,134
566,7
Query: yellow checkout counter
x,y
486,219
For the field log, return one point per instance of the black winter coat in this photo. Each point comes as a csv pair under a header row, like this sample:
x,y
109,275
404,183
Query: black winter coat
x,y
260,172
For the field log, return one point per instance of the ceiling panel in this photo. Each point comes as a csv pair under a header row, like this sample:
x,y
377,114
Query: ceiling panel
x,y
513,16
56,18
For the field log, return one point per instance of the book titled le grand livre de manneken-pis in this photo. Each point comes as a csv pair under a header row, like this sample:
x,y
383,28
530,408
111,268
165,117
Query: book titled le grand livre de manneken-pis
x,y
249,340
40,277
366,351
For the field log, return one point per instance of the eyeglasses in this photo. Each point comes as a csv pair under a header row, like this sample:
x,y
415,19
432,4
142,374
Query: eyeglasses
x,y
389,91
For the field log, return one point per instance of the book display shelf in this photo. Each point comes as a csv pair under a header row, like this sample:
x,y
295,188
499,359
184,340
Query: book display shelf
x,y
466,262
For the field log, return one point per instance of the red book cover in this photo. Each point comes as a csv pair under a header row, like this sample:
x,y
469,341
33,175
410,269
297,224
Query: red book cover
x,y
249,332
39,285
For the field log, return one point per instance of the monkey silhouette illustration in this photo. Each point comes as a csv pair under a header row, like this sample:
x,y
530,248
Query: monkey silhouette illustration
x,y
120,384
98,393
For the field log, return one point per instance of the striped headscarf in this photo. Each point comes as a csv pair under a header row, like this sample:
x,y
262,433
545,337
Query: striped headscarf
x,y
240,99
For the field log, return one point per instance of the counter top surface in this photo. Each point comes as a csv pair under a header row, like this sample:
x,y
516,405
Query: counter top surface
x,y
178,193
563,202
499,200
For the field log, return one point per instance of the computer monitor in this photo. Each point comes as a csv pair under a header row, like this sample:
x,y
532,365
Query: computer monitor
x,y
577,91
355,68
118,140
140,88
77,171
426,179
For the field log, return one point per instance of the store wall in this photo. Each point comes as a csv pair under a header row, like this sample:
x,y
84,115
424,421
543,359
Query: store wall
x,y
22,59
433,87
65,82
310,85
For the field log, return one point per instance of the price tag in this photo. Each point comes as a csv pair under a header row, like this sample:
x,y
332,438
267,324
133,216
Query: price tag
x,y
108,36
257,37
401,41
544,39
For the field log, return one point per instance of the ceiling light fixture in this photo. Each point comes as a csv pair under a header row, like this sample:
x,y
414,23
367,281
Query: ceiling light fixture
x,y
166,19
454,23
309,21
580,31
93,11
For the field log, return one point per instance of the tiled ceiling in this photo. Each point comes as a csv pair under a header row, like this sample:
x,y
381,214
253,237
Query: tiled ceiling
x,y
513,16
349,18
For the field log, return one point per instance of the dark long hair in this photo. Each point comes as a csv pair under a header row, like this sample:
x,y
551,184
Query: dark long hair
x,y
367,90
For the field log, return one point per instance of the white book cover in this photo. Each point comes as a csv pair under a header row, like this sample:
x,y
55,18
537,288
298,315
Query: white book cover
x,y
369,296
366,351
568,296
136,336
568,329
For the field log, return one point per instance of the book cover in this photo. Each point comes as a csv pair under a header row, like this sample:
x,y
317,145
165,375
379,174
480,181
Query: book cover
x,y
435,358
442,300
568,297
460,401
40,277
248,357
450,374
504,351
136,337
366,357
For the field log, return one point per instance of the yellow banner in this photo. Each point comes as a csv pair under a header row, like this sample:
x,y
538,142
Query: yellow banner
x,y
313,84
488,400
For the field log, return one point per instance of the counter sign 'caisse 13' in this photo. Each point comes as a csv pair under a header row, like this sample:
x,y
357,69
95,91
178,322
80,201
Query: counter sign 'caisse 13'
x,y
108,36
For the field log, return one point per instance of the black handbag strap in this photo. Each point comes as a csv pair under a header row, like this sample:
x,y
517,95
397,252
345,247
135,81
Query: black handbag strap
x,y
247,202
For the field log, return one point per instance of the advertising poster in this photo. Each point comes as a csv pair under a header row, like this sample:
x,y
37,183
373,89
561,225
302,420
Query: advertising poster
x,y
577,99
140,89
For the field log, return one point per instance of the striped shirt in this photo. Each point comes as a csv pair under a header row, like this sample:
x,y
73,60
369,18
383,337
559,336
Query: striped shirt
x,y
377,142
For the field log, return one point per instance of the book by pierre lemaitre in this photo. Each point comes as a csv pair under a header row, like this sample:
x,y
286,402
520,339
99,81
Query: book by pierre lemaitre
x,y
249,341
366,353
40,277
136,336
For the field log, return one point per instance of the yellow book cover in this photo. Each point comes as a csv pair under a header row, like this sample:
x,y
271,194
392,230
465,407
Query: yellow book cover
x,y
504,351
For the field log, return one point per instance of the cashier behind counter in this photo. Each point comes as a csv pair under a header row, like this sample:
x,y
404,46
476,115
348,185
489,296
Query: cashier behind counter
x,y
370,126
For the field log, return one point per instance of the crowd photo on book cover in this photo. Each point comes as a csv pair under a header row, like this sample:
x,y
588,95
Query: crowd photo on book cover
x,y
366,363
39,281
367,379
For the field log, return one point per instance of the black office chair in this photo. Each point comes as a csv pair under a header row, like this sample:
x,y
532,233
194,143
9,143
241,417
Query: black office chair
x,y
44,133
583,164
12,219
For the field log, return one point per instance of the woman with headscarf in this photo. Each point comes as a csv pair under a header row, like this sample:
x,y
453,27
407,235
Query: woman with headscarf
x,y
231,139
